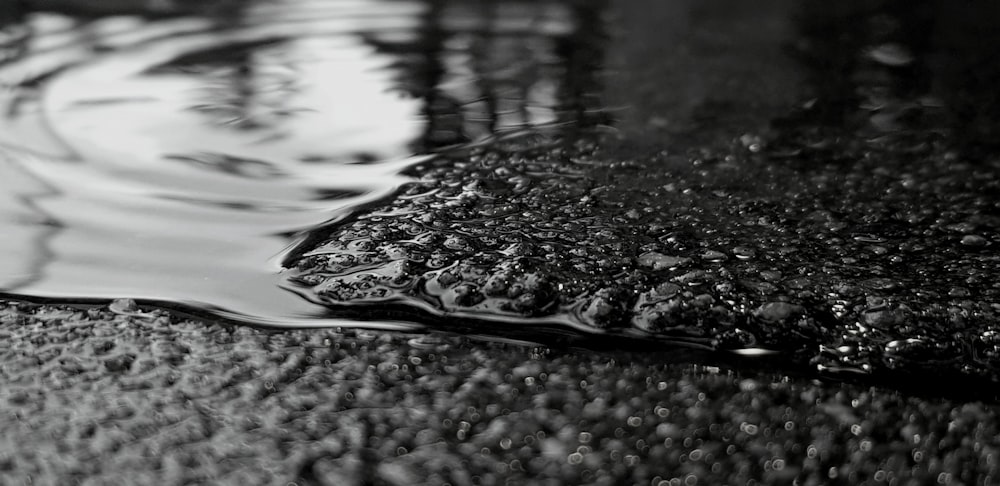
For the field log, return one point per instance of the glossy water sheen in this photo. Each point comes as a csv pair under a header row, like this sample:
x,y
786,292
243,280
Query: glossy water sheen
x,y
179,159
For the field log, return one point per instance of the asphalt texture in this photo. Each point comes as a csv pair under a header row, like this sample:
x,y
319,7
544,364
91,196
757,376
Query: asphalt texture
x,y
817,189
813,183
123,394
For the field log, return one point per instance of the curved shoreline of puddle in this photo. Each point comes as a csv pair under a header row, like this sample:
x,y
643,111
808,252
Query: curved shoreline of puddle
x,y
182,158
770,187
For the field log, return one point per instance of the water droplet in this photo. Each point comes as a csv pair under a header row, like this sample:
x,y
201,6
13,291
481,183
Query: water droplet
x,y
713,256
778,311
958,292
692,278
744,253
659,261
974,240
894,55
752,143
869,239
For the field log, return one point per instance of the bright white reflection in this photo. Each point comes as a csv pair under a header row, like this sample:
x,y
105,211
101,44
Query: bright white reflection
x,y
176,179
175,159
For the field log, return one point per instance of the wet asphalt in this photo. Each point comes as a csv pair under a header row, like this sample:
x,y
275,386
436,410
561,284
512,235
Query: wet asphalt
x,y
131,395
765,253
808,181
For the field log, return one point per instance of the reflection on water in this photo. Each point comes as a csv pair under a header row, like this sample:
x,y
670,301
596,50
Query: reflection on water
x,y
177,159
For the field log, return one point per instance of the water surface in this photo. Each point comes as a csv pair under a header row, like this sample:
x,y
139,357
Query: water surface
x,y
179,159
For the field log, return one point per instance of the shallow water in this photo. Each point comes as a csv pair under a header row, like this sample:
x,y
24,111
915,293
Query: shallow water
x,y
179,159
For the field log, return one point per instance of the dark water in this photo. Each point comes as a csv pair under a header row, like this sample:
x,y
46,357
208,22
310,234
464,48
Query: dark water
x,y
793,179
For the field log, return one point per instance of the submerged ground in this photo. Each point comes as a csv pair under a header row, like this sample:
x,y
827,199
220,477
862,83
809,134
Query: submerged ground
x,y
758,245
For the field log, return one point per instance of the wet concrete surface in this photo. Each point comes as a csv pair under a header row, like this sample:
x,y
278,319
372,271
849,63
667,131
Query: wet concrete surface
x,y
123,394
814,197
810,183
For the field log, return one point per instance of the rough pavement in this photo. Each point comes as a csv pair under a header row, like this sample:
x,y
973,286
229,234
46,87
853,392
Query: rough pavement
x,y
127,395
823,188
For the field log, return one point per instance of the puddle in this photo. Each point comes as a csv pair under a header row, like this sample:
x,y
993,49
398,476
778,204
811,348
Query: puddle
x,y
778,182
180,159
